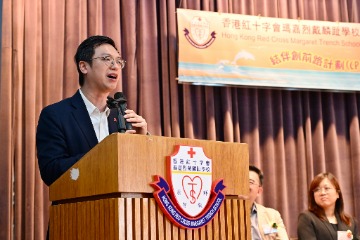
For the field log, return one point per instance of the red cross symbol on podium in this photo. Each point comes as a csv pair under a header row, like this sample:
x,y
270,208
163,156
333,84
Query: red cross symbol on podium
x,y
191,153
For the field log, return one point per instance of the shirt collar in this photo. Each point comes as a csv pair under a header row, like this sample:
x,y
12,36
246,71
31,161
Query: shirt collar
x,y
91,108
254,209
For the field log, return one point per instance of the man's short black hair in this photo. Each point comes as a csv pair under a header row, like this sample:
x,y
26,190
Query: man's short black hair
x,y
86,51
259,172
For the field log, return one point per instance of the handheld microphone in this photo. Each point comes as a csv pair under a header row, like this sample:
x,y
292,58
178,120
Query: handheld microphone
x,y
120,98
111,103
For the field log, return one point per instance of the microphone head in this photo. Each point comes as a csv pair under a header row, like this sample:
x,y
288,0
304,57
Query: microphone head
x,y
110,102
118,95
120,98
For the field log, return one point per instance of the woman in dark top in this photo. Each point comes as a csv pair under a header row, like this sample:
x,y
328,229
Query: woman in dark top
x,y
325,218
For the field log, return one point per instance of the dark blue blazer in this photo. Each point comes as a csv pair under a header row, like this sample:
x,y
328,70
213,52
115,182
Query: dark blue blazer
x,y
64,134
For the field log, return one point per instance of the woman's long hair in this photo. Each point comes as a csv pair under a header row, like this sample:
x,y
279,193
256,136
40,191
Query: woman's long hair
x,y
339,204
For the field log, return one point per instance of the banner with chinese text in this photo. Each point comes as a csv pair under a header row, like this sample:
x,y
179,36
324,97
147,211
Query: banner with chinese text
x,y
233,49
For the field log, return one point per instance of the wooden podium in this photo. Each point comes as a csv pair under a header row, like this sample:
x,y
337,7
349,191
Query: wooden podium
x,y
107,194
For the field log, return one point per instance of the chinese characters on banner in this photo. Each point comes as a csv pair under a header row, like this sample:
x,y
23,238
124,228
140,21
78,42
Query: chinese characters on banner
x,y
233,49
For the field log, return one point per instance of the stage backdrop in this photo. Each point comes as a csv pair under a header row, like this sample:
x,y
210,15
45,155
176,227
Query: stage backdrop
x,y
234,49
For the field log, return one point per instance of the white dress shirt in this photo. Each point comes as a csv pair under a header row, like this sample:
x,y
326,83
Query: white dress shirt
x,y
98,119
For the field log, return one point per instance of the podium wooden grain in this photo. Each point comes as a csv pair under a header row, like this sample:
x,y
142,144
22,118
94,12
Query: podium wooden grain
x,y
112,197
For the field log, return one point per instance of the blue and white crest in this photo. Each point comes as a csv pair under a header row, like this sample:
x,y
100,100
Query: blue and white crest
x,y
191,200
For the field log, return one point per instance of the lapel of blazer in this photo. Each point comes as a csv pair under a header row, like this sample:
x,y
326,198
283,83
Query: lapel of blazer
x,y
261,219
112,121
331,230
342,226
82,118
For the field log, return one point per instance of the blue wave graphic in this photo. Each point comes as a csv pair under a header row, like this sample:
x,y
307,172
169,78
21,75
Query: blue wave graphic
x,y
269,77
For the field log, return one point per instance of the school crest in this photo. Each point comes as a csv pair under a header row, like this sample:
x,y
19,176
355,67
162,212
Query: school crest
x,y
199,35
195,199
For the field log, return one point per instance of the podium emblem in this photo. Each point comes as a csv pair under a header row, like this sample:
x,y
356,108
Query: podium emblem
x,y
195,199
191,179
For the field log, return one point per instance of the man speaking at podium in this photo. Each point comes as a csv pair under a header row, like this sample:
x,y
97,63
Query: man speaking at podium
x,y
70,128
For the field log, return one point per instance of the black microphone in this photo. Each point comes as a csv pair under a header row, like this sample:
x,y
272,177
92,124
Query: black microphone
x,y
113,103
120,98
